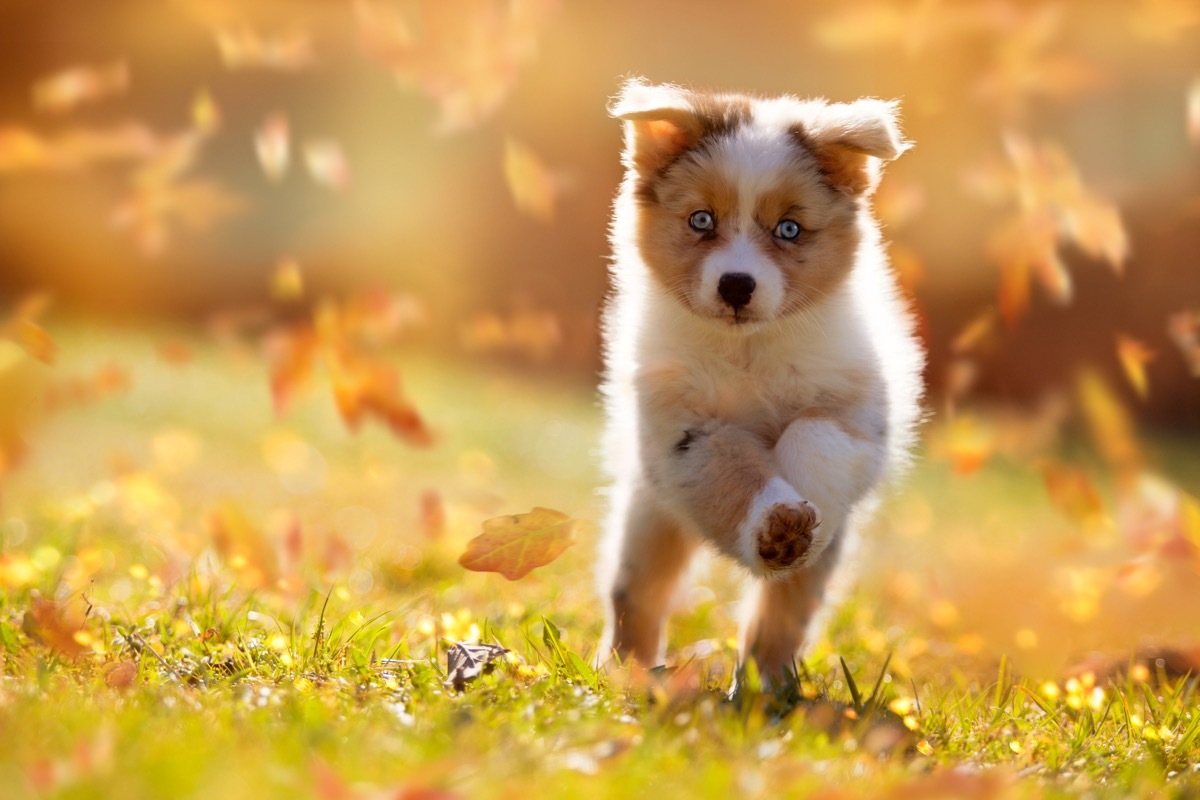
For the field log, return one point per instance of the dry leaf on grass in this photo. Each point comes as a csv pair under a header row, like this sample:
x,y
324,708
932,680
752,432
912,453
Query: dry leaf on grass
x,y
466,662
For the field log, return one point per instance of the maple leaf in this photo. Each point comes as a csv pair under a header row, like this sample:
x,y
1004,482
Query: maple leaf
x,y
516,544
65,90
363,388
1134,356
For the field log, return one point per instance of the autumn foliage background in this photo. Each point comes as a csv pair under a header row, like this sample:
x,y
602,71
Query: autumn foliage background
x,y
305,291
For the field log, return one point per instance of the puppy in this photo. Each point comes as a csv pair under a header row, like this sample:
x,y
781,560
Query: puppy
x,y
762,375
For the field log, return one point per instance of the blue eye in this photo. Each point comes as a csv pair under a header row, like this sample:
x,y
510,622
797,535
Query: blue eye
x,y
788,229
702,221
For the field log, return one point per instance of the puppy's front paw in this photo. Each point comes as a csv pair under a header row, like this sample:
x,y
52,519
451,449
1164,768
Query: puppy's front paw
x,y
779,529
787,534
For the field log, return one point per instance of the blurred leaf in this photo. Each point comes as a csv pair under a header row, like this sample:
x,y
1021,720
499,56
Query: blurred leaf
x,y
1184,330
433,514
287,282
327,164
464,55
1110,426
206,116
65,90
466,662
120,674
532,185
291,354
977,330
244,48
46,622
514,545
1134,356
1193,110
151,210
363,389
273,147
1073,493
244,547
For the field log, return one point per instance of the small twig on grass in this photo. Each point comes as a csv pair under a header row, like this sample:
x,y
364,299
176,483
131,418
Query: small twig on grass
x,y
142,645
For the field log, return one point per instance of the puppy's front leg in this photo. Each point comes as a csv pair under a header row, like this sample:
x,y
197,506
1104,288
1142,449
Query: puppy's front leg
x,y
724,479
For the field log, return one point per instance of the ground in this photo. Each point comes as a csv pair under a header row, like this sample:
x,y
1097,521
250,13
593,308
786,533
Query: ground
x,y
200,596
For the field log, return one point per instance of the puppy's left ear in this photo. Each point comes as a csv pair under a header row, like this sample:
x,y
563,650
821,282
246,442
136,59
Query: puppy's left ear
x,y
852,140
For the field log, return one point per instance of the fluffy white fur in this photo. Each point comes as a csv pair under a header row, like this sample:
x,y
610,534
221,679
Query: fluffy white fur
x,y
769,371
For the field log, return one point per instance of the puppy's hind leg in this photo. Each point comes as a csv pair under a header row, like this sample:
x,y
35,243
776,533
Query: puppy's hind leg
x,y
653,553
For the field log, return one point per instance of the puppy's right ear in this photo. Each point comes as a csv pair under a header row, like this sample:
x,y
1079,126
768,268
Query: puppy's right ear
x,y
659,123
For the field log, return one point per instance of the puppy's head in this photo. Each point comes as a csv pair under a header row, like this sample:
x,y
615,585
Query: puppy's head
x,y
748,209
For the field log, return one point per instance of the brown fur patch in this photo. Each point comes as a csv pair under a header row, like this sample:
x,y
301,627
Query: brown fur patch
x,y
843,167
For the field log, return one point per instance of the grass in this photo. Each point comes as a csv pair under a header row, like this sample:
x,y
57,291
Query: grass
x,y
261,606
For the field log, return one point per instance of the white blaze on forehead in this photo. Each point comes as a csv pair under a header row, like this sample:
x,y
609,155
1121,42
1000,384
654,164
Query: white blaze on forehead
x,y
752,160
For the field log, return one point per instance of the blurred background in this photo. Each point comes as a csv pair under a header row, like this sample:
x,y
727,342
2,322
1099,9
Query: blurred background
x,y
209,206
462,155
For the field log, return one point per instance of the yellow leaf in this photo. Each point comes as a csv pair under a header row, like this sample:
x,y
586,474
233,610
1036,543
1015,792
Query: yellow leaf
x,y
1109,423
516,544
1134,356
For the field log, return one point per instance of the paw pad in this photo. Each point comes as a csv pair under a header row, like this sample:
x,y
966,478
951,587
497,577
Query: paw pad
x,y
787,533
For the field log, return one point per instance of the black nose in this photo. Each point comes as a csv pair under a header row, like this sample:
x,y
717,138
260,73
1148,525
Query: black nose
x,y
735,288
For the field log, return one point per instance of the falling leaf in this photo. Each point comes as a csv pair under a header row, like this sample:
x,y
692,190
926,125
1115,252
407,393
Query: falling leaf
x,y
1074,494
465,56
967,443
287,283
291,354
205,114
273,147
975,332
466,662
65,90
244,48
433,514
363,389
1134,356
1193,111
327,164
244,547
514,545
24,150
532,185
1184,330
1109,423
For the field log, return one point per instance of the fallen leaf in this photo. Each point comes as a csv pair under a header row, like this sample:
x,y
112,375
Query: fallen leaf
x,y
272,145
46,622
532,185
120,674
466,662
1134,356
516,544
65,90
244,48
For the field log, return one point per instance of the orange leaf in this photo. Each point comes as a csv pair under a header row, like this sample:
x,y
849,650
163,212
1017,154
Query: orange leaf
x,y
34,339
67,89
1134,356
46,622
290,356
514,545
362,388
532,185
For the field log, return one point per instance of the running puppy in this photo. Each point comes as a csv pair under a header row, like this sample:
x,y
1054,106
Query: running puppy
x,y
762,374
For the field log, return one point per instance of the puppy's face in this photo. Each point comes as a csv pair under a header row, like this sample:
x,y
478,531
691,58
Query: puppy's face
x,y
748,210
